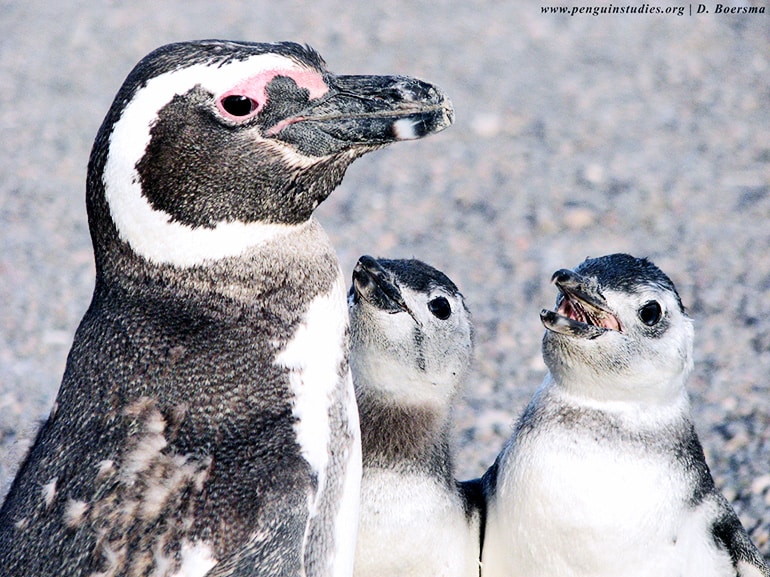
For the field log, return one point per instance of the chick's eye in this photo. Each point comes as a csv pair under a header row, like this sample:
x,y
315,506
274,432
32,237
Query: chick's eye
x,y
238,105
650,313
440,308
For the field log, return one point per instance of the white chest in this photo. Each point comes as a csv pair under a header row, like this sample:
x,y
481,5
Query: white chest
x,y
411,526
314,358
569,507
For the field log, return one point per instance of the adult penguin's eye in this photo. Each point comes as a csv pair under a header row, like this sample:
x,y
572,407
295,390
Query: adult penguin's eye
x,y
650,313
238,105
440,308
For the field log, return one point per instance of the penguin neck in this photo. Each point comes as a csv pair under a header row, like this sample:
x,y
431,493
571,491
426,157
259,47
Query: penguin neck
x,y
304,255
127,228
641,384
404,437
636,414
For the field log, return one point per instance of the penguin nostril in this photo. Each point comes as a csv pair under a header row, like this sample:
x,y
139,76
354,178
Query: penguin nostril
x,y
560,276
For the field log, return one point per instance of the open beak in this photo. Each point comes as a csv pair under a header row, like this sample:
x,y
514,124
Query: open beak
x,y
373,284
365,112
581,310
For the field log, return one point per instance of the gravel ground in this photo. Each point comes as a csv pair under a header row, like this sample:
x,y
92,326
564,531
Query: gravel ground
x,y
575,136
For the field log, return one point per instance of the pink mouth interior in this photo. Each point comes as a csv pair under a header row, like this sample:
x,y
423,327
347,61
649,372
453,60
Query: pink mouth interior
x,y
573,309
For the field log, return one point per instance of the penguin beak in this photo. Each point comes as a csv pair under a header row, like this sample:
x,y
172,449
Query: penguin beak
x,y
365,112
581,309
373,284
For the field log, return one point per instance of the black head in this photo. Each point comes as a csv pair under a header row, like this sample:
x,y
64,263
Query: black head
x,y
626,273
618,331
217,135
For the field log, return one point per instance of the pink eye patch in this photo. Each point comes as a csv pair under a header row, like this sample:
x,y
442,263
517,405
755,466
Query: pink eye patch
x,y
250,96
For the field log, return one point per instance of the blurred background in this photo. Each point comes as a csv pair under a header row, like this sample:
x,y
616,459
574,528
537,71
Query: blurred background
x,y
575,136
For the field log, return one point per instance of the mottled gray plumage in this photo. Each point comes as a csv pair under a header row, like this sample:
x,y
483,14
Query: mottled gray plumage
x,y
604,474
411,346
188,437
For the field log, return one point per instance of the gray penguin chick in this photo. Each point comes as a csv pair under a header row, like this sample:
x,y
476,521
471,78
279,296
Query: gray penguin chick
x,y
411,347
604,474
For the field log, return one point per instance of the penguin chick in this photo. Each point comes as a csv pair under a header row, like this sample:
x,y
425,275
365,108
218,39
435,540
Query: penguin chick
x,y
411,346
604,474
206,422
